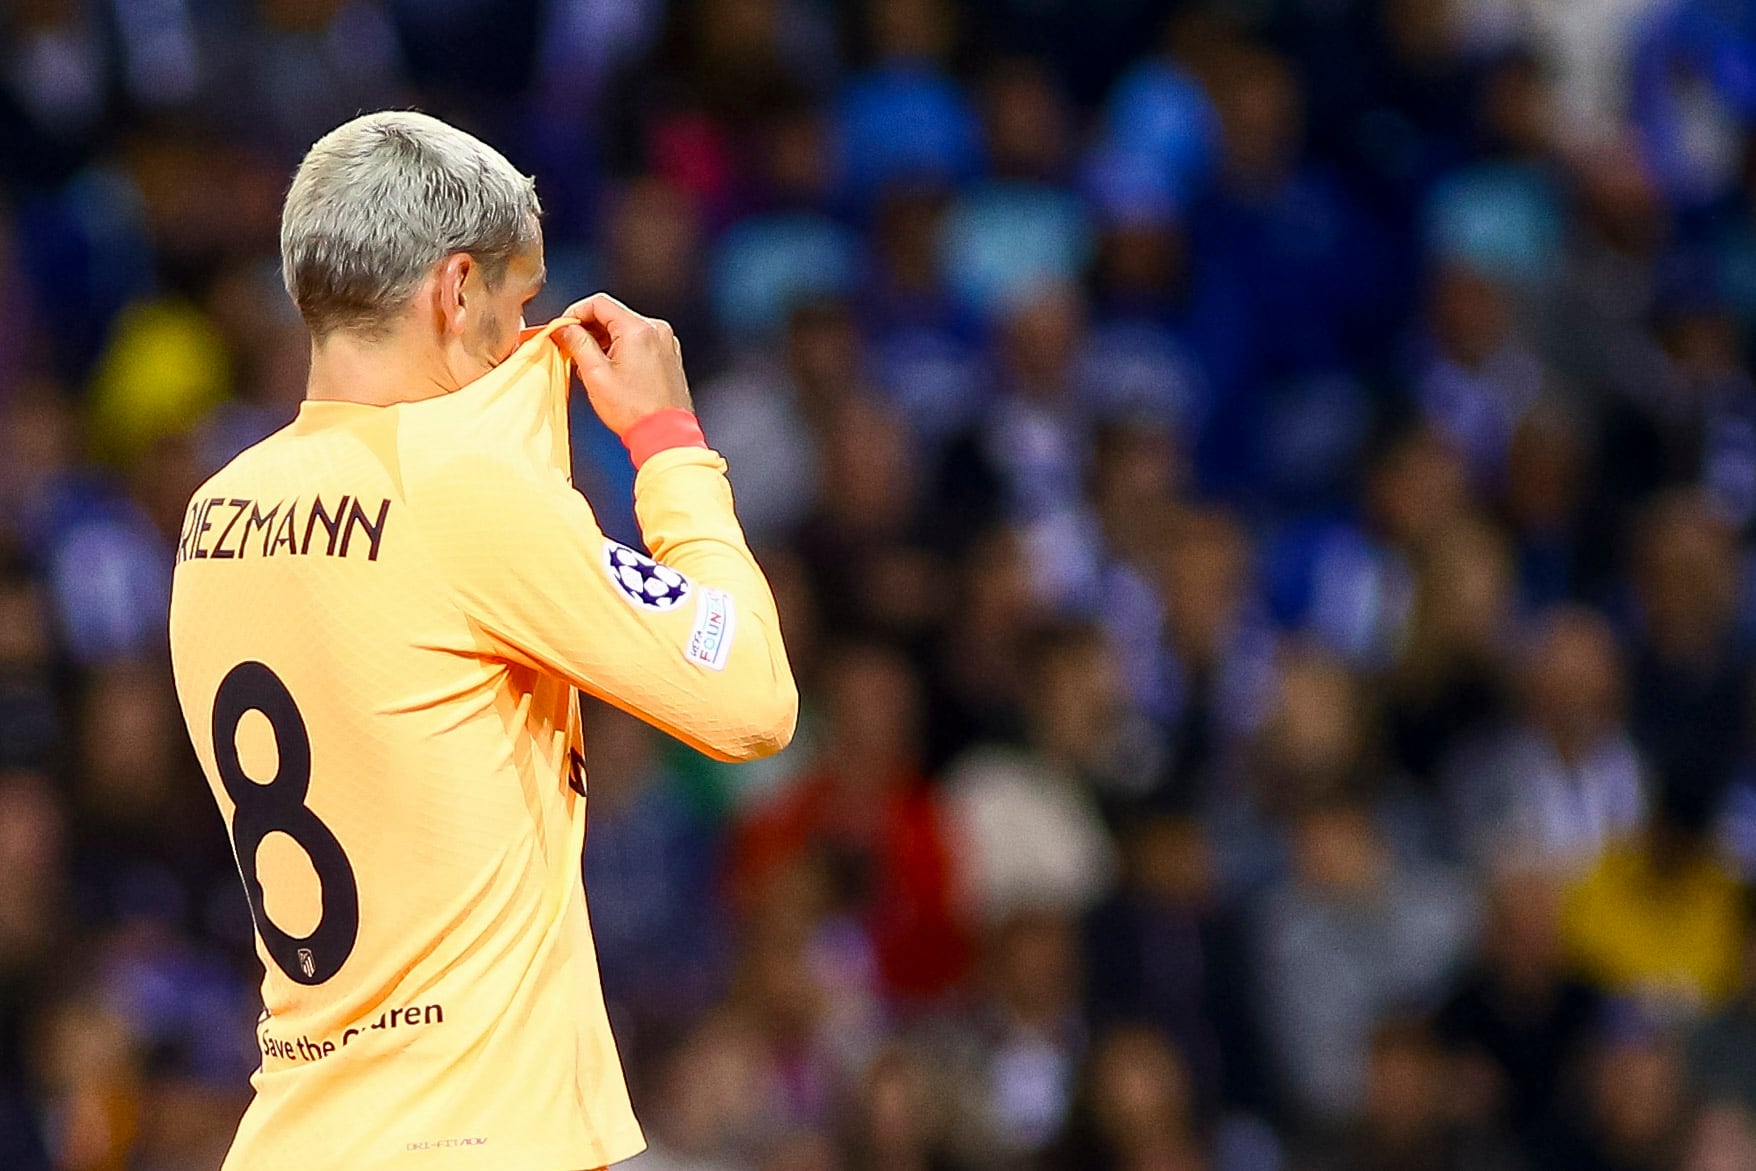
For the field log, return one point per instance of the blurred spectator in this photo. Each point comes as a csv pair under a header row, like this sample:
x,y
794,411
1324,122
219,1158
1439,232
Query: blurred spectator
x,y
766,414
1449,680
1478,380
650,877
1658,917
1206,675
1559,549
1025,822
1592,314
870,555
305,66
713,1102
1407,1118
907,47
1135,1109
1691,668
868,829
743,61
90,1070
1160,135
105,566
139,802
1589,50
1137,479
1013,1061
1166,343
1315,745
803,996
1026,462
1562,780
791,251
902,1123
1632,1114
1501,217
1707,410
30,720
1520,1021
1689,92
1349,581
20,332
926,350
1718,1070
587,42
1352,936
1020,229
251,310
1734,820
1300,247
978,676
1723,1138
1165,952
56,91
653,236
102,567
33,848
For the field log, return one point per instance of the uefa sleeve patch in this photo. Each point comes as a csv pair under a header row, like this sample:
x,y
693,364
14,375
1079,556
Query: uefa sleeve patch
x,y
710,642
643,581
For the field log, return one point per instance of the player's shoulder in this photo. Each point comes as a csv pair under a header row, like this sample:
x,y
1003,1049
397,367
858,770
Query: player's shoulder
x,y
245,468
237,485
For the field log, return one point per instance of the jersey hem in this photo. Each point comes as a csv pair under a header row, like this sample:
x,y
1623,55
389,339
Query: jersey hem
x,y
561,1158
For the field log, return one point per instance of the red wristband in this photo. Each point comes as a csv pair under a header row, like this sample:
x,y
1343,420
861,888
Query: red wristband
x,y
661,431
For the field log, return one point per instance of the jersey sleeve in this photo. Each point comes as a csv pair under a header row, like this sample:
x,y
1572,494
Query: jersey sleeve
x,y
688,640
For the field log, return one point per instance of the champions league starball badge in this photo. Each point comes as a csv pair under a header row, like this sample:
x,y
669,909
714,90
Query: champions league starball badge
x,y
643,581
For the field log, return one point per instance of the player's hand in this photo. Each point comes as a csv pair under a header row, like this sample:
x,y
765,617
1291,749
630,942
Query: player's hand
x,y
631,366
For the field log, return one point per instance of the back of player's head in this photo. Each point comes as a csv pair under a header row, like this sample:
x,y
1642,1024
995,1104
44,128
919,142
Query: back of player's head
x,y
380,200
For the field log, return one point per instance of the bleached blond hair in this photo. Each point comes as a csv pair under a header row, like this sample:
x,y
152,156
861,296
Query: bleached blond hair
x,y
379,201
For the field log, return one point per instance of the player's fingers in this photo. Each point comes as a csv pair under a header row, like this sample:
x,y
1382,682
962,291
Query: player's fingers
x,y
581,312
578,343
609,314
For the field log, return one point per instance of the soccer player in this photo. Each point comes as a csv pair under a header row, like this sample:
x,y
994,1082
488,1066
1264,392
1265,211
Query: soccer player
x,y
381,620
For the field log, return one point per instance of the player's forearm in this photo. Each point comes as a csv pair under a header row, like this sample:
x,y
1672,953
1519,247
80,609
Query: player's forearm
x,y
684,505
731,692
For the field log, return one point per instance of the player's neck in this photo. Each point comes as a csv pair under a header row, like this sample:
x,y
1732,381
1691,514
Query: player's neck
x,y
378,373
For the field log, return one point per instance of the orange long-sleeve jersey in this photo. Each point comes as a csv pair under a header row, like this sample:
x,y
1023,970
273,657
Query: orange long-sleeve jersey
x,y
380,620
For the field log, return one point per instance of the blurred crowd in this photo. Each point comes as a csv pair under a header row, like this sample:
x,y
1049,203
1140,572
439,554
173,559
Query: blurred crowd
x,y
1259,493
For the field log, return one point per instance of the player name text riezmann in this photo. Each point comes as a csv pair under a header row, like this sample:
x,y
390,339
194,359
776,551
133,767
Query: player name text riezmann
x,y
223,528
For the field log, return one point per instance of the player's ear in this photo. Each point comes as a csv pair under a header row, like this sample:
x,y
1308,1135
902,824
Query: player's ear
x,y
452,298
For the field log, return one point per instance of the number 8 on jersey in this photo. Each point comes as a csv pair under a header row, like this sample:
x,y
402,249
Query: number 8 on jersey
x,y
278,805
